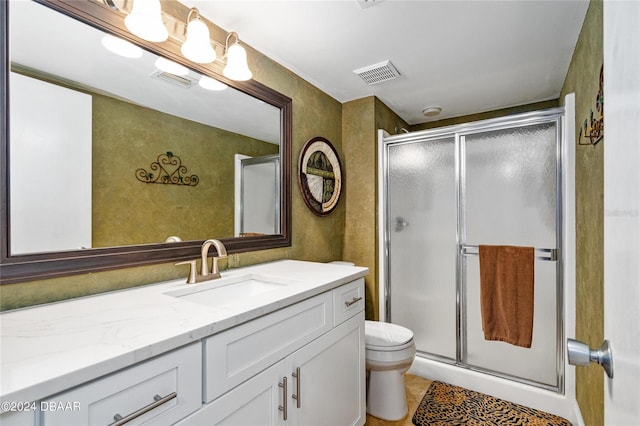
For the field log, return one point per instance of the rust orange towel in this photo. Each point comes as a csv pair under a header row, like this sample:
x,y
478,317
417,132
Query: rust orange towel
x,y
506,293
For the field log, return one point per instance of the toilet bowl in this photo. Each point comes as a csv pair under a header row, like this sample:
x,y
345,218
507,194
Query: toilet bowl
x,y
389,352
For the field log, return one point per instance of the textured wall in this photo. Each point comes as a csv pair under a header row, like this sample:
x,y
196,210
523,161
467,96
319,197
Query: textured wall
x,y
583,80
314,238
127,211
361,120
358,134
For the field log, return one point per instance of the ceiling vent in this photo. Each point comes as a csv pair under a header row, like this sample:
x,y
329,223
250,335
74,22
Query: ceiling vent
x,y
377,73
184,82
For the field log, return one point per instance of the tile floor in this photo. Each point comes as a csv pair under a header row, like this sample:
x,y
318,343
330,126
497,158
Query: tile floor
x,y
416,387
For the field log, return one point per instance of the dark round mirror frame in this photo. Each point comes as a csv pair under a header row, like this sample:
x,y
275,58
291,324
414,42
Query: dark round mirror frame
x,y
37,266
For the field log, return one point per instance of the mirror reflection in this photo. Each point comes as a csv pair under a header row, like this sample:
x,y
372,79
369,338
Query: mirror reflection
x,y
110,150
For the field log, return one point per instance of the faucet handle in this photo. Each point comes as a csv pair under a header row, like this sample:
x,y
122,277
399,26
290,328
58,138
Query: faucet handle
x,y
192,270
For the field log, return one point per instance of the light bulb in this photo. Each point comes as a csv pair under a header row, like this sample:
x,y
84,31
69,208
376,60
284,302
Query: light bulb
x,y
211,83
145,21
197,47
237,68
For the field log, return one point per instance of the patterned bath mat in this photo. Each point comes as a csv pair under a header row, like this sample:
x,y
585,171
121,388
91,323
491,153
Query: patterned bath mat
x,y
445,404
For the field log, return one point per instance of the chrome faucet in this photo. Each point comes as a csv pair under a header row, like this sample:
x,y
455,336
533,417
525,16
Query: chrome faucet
x,y
205,275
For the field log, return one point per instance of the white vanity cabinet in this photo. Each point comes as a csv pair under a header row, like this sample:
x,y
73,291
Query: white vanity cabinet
x,y
159,391
302,365
293,357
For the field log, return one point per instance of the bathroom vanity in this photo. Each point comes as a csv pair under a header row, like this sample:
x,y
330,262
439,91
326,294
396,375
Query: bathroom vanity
x,y
280,343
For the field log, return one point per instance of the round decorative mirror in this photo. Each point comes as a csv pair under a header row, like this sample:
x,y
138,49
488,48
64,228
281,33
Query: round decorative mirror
x,y
320,176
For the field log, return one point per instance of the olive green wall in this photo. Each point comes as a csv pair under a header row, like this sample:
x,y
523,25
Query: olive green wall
x,y
583,80
314,238
358,134
361,120
127,211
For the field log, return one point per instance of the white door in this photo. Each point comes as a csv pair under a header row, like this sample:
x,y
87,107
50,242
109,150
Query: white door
x,y
622,205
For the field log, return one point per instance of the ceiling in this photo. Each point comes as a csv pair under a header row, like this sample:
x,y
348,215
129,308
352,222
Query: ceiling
x,y
67,50
463,56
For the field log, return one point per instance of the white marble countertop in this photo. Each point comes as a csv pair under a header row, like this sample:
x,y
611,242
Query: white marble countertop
x,y
50,348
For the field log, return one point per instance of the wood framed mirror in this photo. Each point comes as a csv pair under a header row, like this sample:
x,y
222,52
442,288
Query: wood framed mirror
x,y
123,228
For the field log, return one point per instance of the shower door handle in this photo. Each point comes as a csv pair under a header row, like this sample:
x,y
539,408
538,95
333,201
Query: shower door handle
x,y
580,354
401,223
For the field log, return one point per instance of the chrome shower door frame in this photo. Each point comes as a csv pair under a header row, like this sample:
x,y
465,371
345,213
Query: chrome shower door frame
x,y
460,132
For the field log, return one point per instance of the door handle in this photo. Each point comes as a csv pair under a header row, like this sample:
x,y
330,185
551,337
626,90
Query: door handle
x,y
580,354
401,223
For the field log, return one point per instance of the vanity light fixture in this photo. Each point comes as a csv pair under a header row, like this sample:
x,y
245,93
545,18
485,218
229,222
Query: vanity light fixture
x,y
211,83
237,68
121,47
197,46
145,21
171,67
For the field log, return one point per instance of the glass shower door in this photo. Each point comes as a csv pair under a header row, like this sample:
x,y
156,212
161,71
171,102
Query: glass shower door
x,y
508,196
422,251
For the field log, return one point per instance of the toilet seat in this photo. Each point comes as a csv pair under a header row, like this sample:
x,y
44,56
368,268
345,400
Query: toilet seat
x,y
384,336
389,348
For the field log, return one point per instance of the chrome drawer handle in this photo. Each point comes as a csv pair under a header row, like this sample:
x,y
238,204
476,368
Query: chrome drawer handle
x,y
353,301
283,407
296,395
157,401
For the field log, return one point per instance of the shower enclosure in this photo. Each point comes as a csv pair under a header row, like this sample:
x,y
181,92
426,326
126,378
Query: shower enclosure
x,y
445,192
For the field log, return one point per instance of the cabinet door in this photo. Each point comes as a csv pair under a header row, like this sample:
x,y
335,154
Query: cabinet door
x,y
257,402
330,385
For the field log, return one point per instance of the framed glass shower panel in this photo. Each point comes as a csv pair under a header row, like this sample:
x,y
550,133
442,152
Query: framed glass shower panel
x,y
509,196
422,253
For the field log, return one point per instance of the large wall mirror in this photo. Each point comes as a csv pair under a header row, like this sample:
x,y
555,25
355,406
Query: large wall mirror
x,y
111,161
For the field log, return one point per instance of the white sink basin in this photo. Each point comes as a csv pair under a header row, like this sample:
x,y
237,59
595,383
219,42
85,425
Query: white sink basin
x,y
242,290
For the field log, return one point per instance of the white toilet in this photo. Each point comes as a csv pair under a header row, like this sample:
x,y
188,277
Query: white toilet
x,y
390,351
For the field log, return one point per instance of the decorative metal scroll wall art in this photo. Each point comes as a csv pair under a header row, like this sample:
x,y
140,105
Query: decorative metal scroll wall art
x,y
320,176
592,130
167,170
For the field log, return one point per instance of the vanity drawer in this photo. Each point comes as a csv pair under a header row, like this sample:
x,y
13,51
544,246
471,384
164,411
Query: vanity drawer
x,y
235,355
348,300
159,391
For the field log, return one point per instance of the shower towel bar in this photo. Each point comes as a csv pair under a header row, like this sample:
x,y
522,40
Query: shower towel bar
x,y
541,253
